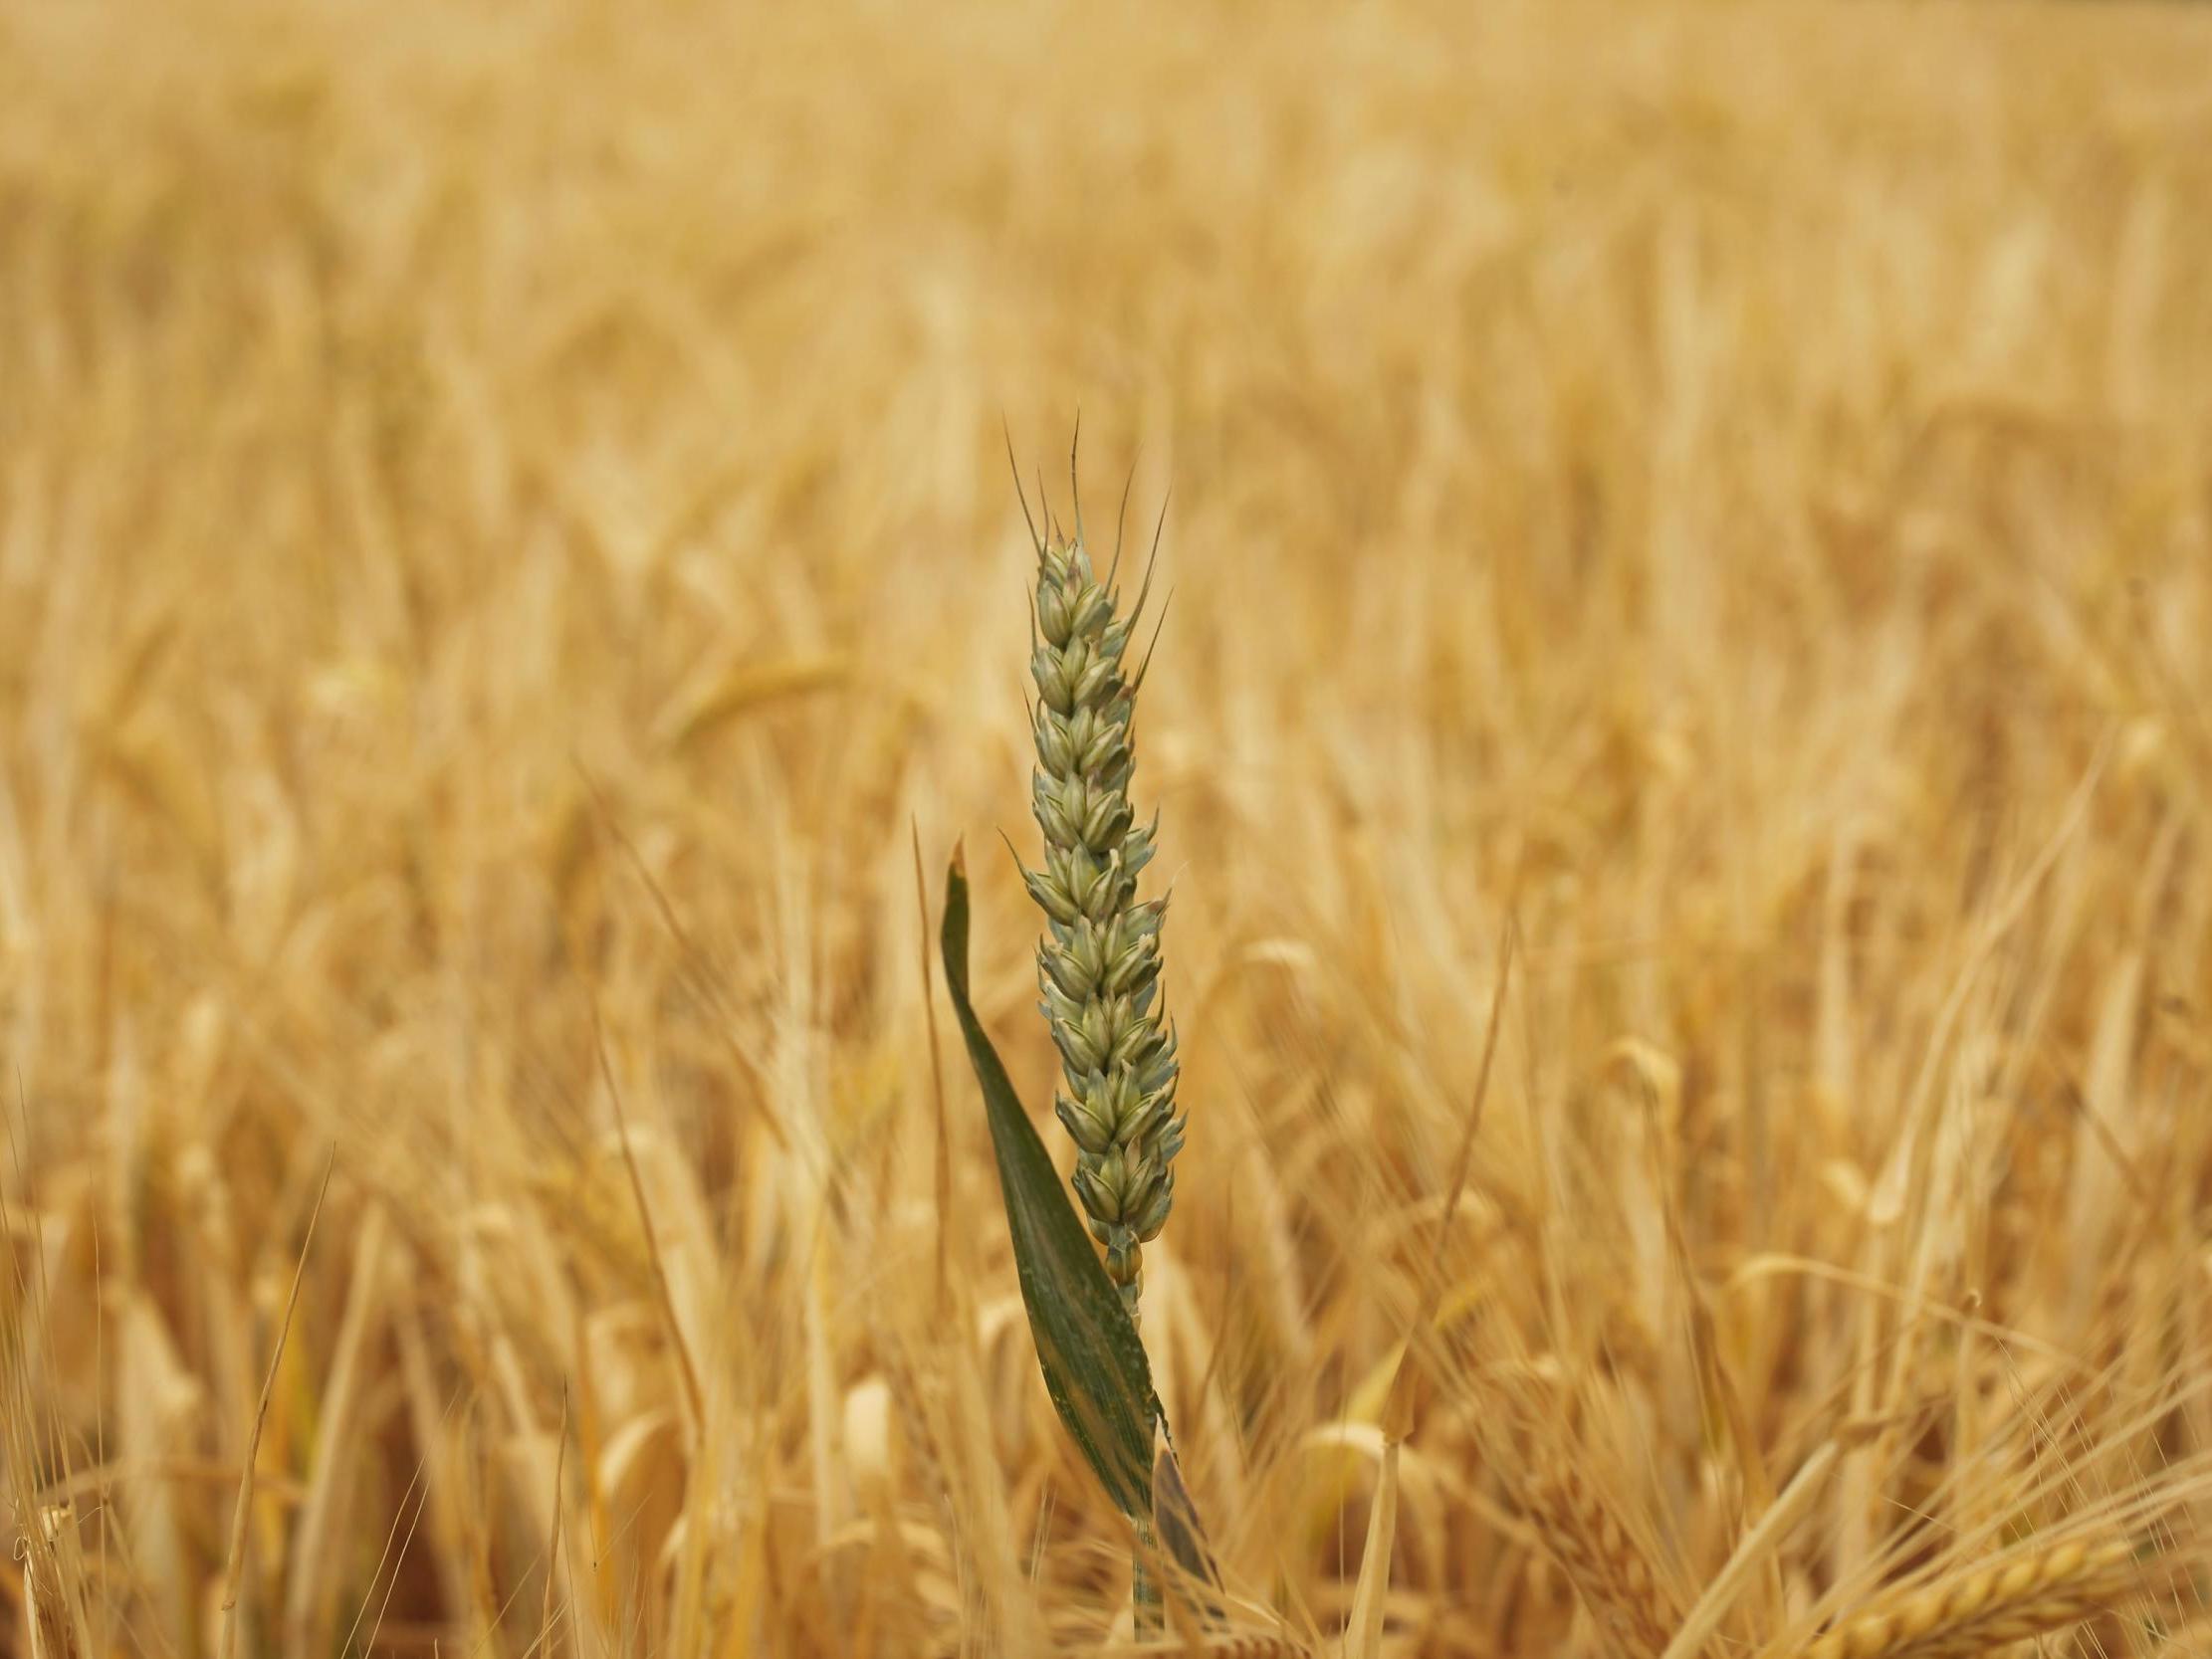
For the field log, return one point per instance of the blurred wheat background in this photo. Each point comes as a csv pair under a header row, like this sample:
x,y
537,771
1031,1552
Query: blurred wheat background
x,y
506,546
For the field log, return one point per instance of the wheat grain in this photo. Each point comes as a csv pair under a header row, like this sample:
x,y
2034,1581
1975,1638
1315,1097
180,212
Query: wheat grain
x,y
1098,965
1986,1608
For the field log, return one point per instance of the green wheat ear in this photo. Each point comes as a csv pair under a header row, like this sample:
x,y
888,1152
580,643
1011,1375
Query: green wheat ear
x,y
1098,964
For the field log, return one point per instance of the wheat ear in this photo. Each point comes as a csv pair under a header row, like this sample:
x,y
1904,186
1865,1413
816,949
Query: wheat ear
x,y
1608,1567
1986,1608
1098,964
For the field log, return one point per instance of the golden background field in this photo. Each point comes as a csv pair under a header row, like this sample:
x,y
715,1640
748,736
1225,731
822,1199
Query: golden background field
x,y
506,543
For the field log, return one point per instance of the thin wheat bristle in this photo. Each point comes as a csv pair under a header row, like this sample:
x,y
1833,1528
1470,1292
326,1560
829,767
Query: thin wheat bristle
x,y
2191,1641
1987,1608
1608,1567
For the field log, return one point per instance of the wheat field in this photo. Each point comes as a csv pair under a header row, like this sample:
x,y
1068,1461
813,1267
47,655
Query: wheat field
x,y
1690,526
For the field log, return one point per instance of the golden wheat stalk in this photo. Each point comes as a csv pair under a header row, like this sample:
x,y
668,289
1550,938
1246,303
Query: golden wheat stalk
x,y
1987,1607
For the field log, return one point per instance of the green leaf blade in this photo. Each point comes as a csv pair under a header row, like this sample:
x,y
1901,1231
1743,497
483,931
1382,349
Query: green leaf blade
x,y
1094,1362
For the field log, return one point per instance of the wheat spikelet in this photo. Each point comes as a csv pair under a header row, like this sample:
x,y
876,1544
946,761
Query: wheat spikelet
x,y
1606,1566
1987,1608
1098,965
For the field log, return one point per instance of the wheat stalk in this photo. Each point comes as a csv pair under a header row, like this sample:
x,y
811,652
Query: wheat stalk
x,y
1986,1608
1098,964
